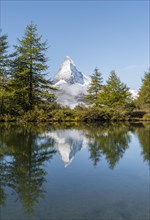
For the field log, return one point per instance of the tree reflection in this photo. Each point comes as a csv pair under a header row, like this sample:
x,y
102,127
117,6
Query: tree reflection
x,y
95,152
22,165
144,139
3,168
2,181
111,141
24,151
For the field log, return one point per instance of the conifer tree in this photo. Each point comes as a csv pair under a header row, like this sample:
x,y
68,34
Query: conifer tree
x,y
5,60
144,92
94,87
114,93
29,69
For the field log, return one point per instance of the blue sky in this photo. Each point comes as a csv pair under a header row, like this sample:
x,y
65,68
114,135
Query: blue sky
x,y
110,35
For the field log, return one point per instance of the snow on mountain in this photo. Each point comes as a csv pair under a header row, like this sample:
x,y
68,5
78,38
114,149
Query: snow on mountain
x,y
134,93
71,84
69,73
67,143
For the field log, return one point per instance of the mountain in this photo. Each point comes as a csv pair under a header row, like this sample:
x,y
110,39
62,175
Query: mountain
x,y
68,73
134,93
67,142
71,84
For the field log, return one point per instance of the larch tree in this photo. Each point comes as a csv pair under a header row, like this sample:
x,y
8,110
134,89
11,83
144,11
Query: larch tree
x,y
94,87
144,92
114,93
29,68
5,61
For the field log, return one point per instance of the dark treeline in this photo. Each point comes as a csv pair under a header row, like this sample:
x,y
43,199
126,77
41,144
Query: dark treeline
x,y
26,94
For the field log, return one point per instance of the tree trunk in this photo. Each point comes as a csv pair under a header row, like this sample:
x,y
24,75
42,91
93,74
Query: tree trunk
x,y
30,89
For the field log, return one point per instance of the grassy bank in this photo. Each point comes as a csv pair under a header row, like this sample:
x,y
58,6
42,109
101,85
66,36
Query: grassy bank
x,y
79,114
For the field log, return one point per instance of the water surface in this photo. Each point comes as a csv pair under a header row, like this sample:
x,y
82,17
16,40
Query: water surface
x,y
91,172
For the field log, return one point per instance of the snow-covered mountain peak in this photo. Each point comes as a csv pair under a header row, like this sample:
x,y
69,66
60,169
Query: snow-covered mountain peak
x,y
71,84
69,73
68,60
134,93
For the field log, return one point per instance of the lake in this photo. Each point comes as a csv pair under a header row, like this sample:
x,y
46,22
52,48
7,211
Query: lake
x,y
74,172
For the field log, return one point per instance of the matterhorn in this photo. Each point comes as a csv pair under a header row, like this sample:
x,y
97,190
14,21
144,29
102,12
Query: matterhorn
x,y
71,84
67,142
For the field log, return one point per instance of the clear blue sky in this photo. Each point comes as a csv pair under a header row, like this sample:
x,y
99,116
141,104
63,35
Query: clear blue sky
x,y
110,35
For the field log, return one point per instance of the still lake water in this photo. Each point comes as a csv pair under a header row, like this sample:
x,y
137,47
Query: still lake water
x,y
92,172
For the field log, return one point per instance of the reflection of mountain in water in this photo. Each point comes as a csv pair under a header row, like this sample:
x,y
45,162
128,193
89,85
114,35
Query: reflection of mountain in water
x,y
68,142
25,150
112,143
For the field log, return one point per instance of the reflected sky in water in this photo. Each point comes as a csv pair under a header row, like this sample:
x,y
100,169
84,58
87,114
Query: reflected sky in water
x,y
74,172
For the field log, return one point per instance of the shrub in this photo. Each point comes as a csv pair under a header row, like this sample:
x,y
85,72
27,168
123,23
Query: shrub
x,y
63,114
35,115
146,117
7,117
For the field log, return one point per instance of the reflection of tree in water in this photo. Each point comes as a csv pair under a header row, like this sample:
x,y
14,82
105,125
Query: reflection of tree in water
x,y
111,141
2,180
23,152
3,168
144,139
95,151
25,172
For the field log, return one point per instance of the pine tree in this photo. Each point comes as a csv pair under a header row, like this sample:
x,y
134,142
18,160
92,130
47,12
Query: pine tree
x,y
5,62
144,92
94,87
28,71
114,93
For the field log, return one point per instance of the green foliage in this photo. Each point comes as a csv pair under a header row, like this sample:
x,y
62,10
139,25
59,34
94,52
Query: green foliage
x,y
25,173
110,141
28,85
4,58
137,114
7,118
120,115
5,61
146,117
35,115
94,87
114,93
144,93
26,95
144,139
92,114
62,114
